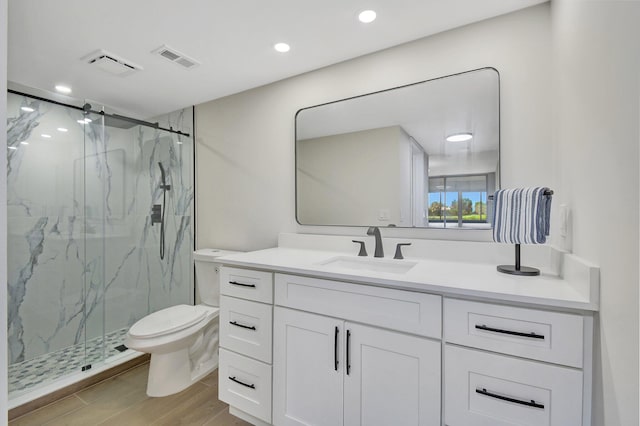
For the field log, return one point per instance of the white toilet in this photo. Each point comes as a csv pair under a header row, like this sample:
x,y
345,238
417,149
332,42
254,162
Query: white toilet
x,y
182,339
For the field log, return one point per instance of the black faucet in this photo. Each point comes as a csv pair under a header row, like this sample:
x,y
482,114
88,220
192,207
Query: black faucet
x,y
375,231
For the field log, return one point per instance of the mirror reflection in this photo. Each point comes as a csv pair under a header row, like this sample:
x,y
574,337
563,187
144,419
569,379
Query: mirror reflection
x,y
421,155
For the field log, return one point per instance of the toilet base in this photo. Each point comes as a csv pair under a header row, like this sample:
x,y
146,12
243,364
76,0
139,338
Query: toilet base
x,y
175,371
169,373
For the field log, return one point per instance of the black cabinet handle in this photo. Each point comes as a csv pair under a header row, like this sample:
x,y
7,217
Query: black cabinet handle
x,y
531,403
348,351
335,349
249,327
512,333
241,383
241,284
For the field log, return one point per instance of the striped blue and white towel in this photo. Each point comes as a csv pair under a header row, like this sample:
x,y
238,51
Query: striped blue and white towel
x,y
521,215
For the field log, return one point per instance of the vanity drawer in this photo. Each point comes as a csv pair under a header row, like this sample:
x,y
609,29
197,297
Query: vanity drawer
x,y
245,384
416,313
486,389
529,333
245,327
246,284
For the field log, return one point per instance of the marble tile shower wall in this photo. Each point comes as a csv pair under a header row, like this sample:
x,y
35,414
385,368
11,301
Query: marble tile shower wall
x,y
83,257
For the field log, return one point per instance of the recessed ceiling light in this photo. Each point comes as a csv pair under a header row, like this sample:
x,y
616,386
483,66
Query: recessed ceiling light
x,y
44,135
27,109
62,129
12,147
282,47
24,143
367,16
63,89
459,137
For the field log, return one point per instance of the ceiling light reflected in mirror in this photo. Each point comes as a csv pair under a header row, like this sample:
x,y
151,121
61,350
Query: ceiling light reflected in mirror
x,y
459,137
282,47
367,16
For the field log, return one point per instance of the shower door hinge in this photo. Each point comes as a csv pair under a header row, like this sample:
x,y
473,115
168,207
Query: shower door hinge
x,y
86,367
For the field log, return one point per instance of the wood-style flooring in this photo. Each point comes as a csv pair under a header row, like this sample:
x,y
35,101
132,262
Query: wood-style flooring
x,y
122,400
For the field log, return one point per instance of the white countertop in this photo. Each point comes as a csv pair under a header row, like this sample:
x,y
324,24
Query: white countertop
x,y
453,278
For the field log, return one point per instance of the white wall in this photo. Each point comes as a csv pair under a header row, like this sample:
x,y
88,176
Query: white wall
x,y
245,142
3,212
597,70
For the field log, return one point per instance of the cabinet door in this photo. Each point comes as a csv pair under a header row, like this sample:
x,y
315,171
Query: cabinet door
x,y
390,378
307,369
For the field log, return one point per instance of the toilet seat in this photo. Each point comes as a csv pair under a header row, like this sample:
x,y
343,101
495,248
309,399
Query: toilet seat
x,y
167,321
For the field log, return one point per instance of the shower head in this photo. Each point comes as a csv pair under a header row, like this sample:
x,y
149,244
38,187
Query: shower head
x,y
162,171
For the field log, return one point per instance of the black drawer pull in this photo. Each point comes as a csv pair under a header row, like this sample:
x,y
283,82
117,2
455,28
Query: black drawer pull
x,y
241,383
348,352
513,333
241,284
250,327
533,404
335,349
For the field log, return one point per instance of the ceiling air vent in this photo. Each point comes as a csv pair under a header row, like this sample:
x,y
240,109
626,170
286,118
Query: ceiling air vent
x,y
176,57
111,63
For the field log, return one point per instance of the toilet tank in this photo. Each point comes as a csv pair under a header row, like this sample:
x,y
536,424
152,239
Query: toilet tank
x,y
207,275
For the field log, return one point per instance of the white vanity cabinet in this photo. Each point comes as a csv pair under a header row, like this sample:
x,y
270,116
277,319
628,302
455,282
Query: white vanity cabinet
x,y
333,371
315,351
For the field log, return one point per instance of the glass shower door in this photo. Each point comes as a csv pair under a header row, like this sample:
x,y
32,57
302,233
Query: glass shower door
x,y
46,245
147,266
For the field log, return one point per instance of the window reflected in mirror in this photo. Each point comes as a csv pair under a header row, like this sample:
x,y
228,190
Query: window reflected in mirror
x,y
460,201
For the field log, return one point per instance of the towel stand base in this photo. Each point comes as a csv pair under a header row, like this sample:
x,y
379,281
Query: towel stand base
x,y
523,270
517,269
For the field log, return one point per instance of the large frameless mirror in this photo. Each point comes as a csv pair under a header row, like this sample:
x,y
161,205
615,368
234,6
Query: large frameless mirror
x,y
422,155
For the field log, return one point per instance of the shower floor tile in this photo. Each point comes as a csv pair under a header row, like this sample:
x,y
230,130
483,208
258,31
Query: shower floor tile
x,y
49,367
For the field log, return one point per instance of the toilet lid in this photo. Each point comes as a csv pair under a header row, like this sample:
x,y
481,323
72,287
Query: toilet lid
x,y
168,320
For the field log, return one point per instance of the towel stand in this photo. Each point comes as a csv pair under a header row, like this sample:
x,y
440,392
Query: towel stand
x,y
518,269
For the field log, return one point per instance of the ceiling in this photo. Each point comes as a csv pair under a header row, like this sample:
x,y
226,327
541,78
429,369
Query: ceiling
x,y
232,40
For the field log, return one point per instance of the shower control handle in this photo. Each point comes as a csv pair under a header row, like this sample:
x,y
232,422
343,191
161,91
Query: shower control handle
x,y
156,214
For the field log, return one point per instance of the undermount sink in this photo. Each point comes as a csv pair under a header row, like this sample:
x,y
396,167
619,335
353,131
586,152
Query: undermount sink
x,y
391,266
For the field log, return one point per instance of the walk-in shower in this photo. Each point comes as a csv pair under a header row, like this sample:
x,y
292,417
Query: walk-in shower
x,y
84,261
